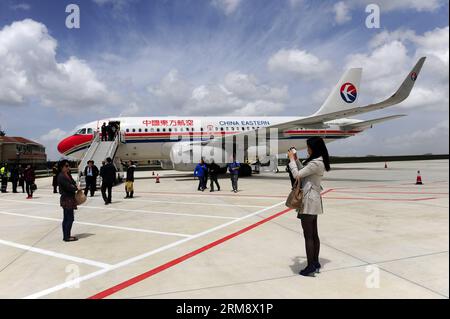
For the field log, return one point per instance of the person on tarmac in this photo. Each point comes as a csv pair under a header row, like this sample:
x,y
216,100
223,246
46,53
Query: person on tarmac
x,y
91,173
213,171
15,178
55,173
22,178
108,174
201,171
129,182
310,174
67,189
233,168
4,178
30,178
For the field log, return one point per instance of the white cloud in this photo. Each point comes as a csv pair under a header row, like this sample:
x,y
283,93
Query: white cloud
x,y
298,62
21,6
426,140
342,12
418,5
50,140
172,89
228,6
247,87
295,3
390,61
117,4
239,94
29,71
54,135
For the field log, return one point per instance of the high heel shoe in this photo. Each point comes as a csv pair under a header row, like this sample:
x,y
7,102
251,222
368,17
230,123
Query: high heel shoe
x,y
317,266
308,271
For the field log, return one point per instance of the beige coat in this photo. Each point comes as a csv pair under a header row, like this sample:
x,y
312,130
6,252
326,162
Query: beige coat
x,y
311,177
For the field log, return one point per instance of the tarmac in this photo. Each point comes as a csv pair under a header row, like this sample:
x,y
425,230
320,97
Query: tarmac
x,y
382,236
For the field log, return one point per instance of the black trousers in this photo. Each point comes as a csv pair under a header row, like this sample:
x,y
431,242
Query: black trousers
x,y
234,181
107,188
213,179
312,241
14,185
28,188
91,185
55,184
4,184
202,180
67,223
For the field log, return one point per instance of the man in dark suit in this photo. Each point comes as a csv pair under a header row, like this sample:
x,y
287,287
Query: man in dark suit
x,y
104,132
108,174
91,173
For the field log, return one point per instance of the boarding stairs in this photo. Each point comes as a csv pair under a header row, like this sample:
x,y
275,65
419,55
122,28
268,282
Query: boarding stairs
x,y
98,152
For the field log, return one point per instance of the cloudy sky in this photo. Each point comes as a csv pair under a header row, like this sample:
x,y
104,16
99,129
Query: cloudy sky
x,y
222,57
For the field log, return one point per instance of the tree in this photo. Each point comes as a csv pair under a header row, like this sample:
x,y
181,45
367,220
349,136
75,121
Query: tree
x,y
2,132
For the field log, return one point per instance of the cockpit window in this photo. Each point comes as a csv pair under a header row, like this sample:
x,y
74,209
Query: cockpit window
x,y
90,131
81,132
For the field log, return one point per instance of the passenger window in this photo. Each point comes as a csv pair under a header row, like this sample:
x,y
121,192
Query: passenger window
x,y
128,130
158,130
134,130
140,130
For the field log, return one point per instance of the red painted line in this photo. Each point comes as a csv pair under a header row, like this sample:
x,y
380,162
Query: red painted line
x,y
384,199
328,191
418,193
170,264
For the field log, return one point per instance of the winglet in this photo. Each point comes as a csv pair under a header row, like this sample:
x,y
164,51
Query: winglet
x,y
408,84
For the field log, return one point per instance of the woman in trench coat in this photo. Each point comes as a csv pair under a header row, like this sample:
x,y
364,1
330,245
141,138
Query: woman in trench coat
x,y
310,174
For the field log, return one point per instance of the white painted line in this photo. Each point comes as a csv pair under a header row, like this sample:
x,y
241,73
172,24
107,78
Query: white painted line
x,y
180,203
56,255
140,230
143,256
127,210
198,203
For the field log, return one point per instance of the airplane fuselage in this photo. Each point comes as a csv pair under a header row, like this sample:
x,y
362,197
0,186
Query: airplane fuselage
x,y
152,138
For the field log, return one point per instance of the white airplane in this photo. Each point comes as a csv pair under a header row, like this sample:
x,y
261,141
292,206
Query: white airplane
x,y
152,138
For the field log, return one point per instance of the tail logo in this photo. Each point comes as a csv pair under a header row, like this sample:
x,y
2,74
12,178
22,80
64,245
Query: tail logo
x,y
349,92
414,76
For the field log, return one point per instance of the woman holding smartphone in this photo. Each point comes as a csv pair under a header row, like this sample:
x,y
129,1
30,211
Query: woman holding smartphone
x,y
310,174
67,189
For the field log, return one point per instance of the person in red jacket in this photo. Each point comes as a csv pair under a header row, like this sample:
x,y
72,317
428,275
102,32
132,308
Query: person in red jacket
x,y
29,178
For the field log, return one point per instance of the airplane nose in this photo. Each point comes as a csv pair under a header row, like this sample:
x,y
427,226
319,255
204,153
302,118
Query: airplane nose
x,y
65,145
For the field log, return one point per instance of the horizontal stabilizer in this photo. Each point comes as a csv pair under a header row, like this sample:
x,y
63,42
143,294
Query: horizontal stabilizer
x,y
370,122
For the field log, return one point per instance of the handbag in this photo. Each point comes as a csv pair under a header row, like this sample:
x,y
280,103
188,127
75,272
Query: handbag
x,y
295,198
80,198
33,187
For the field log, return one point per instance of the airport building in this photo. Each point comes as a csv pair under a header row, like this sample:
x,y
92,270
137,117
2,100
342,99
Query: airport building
x,y
21,150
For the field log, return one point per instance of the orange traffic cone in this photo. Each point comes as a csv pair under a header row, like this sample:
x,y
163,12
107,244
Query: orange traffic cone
x,y
419,179
157,179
